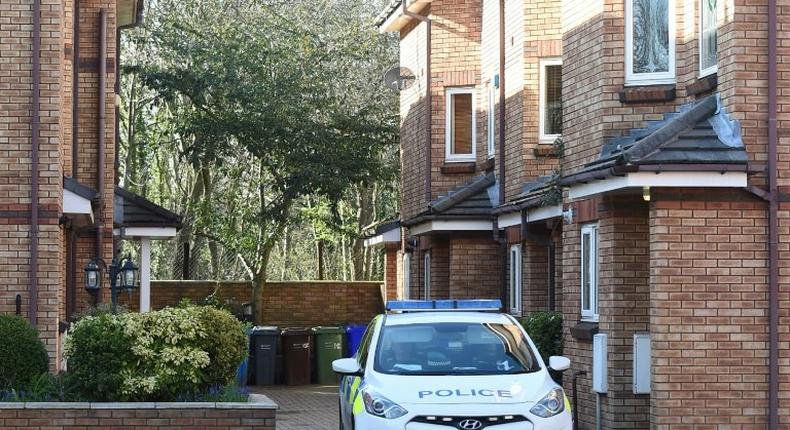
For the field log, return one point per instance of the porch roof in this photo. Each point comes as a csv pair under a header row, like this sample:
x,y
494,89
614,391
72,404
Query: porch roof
x,y
700,137
473,200
131,210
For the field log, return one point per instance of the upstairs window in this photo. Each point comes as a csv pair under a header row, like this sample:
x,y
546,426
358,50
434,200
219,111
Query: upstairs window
x,y
649,42
460,135
550,99
589,273
515,280
708,38
491,123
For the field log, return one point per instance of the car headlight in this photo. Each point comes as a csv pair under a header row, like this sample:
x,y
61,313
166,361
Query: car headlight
x,y
381,406
551,405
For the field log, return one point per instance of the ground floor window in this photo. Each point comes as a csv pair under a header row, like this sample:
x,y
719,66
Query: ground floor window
x,y
427,274
515,280
406,275
589,273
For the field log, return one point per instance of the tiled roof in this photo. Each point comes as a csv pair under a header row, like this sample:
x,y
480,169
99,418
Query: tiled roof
x,y
472,200
700,134
533,194
75,187
388,10
132,210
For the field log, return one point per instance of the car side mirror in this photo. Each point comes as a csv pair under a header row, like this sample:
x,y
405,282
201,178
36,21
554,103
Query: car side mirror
x,y
347,366
559,364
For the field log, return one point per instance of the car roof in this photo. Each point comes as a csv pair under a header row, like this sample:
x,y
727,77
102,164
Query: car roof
x,y
450,316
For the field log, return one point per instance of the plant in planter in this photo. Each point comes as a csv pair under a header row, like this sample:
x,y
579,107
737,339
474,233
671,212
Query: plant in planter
x,y
163,355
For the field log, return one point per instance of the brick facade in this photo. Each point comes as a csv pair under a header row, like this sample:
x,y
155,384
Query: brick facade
x,y
687,265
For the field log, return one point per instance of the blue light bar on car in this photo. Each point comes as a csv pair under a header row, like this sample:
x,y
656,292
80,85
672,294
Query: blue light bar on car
x,y
443,305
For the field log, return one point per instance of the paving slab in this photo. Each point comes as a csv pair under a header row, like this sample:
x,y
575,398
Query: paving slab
x,y
312,407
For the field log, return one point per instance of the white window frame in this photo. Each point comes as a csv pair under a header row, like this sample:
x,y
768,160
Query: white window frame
x,y
546,62
515,289
632,78
449,115
493,94
406,275
426,270
715,68
591,273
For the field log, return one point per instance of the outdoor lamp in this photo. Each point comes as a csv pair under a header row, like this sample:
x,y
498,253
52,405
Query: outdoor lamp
x,y
92,277
128,274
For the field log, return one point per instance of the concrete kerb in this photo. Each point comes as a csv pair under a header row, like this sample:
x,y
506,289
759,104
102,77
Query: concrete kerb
x,y
256,401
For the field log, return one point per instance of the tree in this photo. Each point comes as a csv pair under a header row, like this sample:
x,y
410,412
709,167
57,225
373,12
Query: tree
x,y
268,112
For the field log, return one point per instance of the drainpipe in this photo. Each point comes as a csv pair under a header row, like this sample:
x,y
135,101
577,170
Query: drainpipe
x,y
428,96
773,227
101,127
34,140
501,102
75,93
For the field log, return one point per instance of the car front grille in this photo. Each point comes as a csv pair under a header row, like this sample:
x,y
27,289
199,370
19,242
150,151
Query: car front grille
x,y
469,423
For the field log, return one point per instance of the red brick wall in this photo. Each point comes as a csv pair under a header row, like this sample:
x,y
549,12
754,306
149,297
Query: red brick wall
x,y
476,266
709,318
76,416
308,303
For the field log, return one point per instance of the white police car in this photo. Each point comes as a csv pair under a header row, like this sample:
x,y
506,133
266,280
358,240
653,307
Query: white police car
x,y
449,364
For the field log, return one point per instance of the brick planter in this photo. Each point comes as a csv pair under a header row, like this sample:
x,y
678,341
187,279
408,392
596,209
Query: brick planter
x,y
258,414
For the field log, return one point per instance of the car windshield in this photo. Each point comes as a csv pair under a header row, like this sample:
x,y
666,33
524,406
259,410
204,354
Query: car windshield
x,y
454,349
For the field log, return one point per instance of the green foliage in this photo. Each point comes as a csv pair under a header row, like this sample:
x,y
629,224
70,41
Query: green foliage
x,y
545,329
226,346
155,356
99,351
43,388
98,310
22,354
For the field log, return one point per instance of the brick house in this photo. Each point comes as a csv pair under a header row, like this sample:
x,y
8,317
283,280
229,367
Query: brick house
x,y
60,206
660,212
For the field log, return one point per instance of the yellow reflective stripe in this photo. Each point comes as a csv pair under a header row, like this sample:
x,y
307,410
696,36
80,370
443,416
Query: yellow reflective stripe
x,y
567,403
354,387
359,407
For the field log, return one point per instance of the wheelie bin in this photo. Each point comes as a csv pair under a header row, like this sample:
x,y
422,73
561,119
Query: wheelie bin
x,y
354,334
264,342
296,355
329,347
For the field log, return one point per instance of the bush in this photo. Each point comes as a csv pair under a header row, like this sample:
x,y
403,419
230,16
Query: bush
x,y
99,351
226,345
22,353
99,310
157,356
545,329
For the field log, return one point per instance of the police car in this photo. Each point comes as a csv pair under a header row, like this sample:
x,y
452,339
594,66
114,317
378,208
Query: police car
x,y
449,364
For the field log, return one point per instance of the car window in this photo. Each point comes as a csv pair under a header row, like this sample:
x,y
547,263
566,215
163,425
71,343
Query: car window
x,y
364,345
454,349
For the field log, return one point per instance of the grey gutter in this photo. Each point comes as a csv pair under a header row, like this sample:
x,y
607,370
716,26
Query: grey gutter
x,y
433,217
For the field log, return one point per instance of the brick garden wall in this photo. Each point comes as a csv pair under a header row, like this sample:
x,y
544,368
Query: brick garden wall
x,y
308,303
150,416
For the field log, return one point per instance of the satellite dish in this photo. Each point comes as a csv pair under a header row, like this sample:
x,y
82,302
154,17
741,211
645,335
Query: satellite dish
x,y
399,78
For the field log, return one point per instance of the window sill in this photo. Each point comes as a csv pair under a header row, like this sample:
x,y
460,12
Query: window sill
x,y
703,85
647,93
458,168
585,330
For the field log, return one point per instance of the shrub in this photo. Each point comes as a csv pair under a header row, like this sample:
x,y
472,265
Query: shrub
x,y
43,388
225,343
99,310
158,356
22,353
545,329
99,351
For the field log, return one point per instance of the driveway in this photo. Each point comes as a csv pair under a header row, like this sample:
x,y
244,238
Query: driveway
x,y
312,407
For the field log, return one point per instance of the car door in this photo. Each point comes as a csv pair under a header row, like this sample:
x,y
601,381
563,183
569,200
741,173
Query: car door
x,y
349,385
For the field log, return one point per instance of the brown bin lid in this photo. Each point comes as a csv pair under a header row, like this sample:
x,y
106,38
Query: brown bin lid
x,y
296,331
